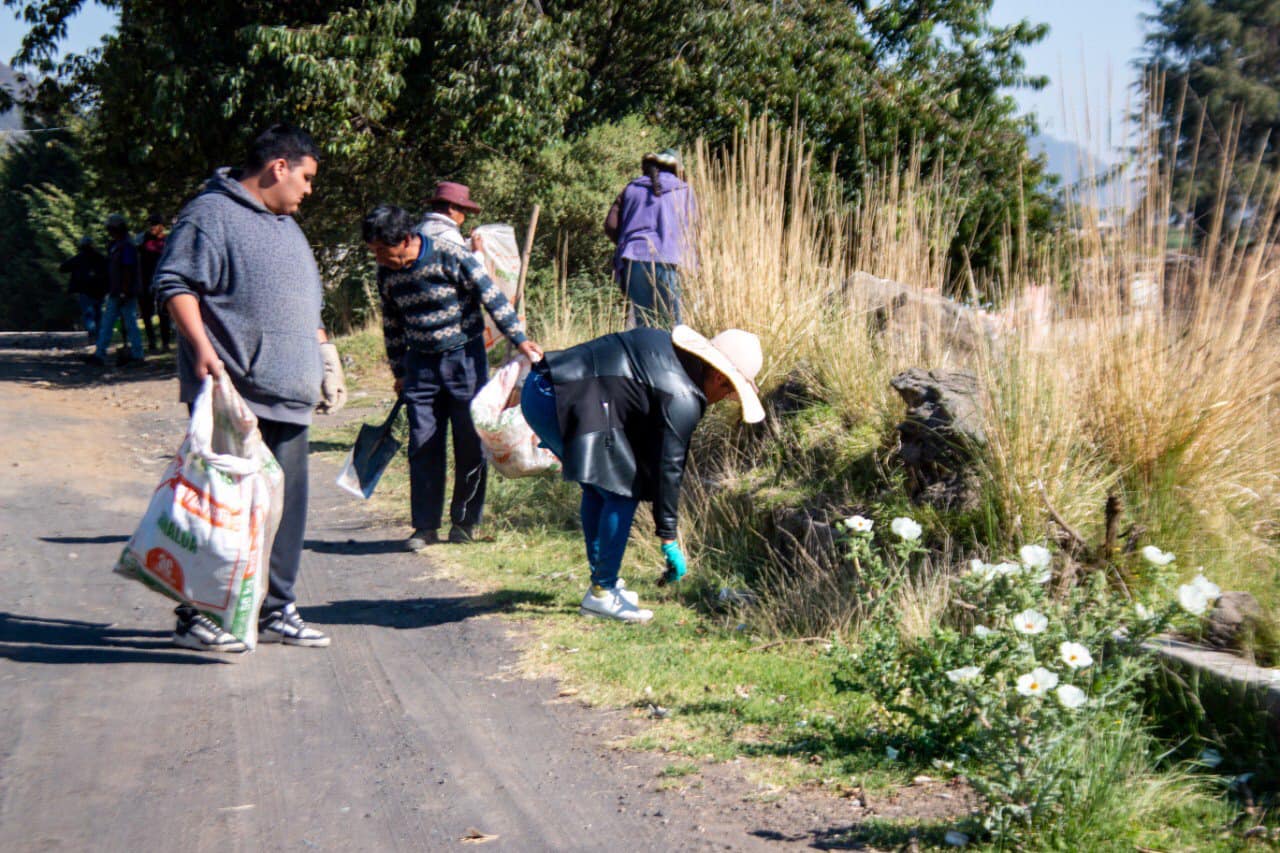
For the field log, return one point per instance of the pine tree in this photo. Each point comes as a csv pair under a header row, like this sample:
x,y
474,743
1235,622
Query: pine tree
x,y
1213,77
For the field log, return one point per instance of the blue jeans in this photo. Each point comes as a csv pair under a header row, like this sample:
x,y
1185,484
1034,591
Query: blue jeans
x,y
606,516
654,291
90,314
124,309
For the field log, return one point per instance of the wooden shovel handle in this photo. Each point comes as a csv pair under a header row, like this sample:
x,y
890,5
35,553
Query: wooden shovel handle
x,y
524,256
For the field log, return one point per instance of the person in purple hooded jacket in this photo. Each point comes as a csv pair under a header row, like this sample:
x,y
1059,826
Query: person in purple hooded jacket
x,y
652,222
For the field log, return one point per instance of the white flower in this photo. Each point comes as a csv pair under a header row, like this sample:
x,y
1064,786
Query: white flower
x,y
1030,622
1006,569
906,529
1037,682
1211,758
1035,556
964,674
891,752
859,524
979,568
1192,599
1210,589
1156,557
1071,696
982,632
955,839
1142,611
1043,577
1075,655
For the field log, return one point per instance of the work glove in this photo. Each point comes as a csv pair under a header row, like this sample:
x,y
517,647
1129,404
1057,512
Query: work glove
x,y
676,565
333,387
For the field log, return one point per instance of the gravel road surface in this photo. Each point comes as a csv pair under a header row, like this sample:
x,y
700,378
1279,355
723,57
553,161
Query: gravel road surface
x,y
411,732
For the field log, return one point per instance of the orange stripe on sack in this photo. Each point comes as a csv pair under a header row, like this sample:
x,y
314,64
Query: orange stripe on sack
x,y
201,505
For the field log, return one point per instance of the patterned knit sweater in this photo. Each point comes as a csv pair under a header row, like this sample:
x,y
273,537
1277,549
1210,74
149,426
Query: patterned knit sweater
x,y
433,306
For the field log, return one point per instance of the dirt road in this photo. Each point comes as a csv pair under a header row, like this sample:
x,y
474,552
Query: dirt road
x,y
406,734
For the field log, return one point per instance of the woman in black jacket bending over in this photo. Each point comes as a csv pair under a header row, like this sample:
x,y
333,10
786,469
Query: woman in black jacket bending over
x,y
619,411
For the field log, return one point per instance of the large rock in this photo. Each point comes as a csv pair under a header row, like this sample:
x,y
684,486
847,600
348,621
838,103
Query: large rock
x,y
940,435
938,326
1235,616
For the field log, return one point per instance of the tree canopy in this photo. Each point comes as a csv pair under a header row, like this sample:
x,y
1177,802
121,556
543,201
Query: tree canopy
x,y
401,93
1213,77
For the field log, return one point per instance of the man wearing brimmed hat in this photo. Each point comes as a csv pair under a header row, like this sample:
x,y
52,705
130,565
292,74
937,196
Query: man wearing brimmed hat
x,y
620,411
450,205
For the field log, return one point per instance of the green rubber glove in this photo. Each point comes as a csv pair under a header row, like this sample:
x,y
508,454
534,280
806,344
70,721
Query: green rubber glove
x,y
676,565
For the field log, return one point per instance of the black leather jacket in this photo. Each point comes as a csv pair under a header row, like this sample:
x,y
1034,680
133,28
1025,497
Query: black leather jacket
x,y
627,407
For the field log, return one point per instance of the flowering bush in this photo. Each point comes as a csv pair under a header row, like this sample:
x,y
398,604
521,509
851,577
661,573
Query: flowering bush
x,y
1012,681
879,572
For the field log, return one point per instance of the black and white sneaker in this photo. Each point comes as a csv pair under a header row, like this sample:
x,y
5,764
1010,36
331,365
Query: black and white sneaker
x,y
286,626
197,631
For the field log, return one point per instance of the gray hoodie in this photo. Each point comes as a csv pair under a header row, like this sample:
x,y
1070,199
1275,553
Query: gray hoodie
x,y
260,298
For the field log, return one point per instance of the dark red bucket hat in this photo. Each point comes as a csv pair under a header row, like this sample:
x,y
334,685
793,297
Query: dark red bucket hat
x,y
458,195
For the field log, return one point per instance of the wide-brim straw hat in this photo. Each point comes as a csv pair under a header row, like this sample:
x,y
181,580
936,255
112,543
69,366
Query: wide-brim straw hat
x,y
734,353
458,195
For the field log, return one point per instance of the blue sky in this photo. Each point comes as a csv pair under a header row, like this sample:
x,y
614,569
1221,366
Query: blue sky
x,y
84,31
1087,55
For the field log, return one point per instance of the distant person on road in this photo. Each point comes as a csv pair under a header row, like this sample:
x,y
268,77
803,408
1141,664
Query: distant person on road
x,y
240,281
150,248
87,280
432,291
652,222
123,282
620,411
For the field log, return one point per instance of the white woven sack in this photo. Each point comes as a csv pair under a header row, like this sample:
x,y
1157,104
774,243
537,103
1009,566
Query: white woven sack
x,y
501,258
509,441
206,537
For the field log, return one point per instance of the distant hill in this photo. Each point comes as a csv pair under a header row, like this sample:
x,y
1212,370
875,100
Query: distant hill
x,y
1072,164
11,120
1066,159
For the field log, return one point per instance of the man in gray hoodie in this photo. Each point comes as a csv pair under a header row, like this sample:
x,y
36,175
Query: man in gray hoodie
x,y
239,279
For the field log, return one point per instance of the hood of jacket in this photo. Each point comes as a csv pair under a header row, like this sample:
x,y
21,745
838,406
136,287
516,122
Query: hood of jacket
x,y
667,180
225,181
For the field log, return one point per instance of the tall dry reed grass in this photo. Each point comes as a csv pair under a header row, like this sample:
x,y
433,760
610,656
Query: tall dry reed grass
x,y
1131,374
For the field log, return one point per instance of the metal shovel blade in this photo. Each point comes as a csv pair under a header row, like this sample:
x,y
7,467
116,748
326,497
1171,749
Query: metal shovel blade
x,y
373,451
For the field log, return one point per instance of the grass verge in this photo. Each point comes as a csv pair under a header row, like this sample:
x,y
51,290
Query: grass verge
x,y
704,687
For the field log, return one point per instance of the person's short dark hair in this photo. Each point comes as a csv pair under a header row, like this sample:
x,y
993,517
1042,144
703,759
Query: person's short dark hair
x,y
155,219
387,224
280,141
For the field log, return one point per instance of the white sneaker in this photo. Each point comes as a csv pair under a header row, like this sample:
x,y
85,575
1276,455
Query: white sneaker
x,y
613,604
628,594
